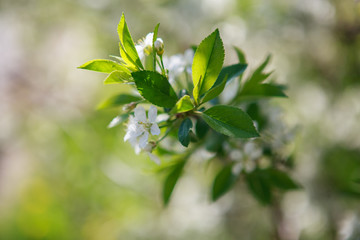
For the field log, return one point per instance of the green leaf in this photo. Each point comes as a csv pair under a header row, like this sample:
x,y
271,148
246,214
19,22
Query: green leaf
x,y
263,90
127,47
103,65
201,128
153,45
155,88
263,65
118,100
230,121
231,71
215,91
171,180
223,182
207,63
183,105
259,186
184,130
118,77
281,180
240,54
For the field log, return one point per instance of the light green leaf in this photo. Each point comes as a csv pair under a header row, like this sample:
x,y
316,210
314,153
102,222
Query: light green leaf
x,y
103,65
184,130
171,180
223,182
118,77
155,88
183,105
127,47
153,45
118,100
230,121
207,63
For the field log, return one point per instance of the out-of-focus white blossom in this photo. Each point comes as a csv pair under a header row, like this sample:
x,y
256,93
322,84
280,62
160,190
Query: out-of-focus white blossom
x,y
245,158
139,128
179,63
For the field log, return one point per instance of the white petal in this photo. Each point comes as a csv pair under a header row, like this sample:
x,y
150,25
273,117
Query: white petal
x,y
137,149
152,114
127,136
140,115
139,129
154,158
236,169
249,147
143,140
140,51
155,130
149,39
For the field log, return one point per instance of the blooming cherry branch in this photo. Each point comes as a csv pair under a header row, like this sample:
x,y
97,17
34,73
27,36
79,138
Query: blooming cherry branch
x,y
187,90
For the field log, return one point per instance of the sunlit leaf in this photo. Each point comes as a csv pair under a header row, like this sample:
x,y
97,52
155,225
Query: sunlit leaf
x,y
103,65
183,105
127,47
118,77
207,63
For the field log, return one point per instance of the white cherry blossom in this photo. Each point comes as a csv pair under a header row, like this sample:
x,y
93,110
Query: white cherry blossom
x,y
179,63
245,158
139,128
144,46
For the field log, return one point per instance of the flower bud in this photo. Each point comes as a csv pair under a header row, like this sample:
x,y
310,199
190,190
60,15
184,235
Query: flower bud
x,y
129,107
159,46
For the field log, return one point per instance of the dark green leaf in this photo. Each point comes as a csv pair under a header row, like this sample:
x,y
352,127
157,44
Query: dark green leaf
x,y
207,63
155,88
231,71
223,182
127,47
281,180
230,121
201,128
214,143
103,65
118,100
259,186
171,180
118,77
184,130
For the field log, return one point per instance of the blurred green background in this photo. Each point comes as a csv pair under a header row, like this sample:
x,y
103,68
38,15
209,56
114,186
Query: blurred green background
x,y
64,175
